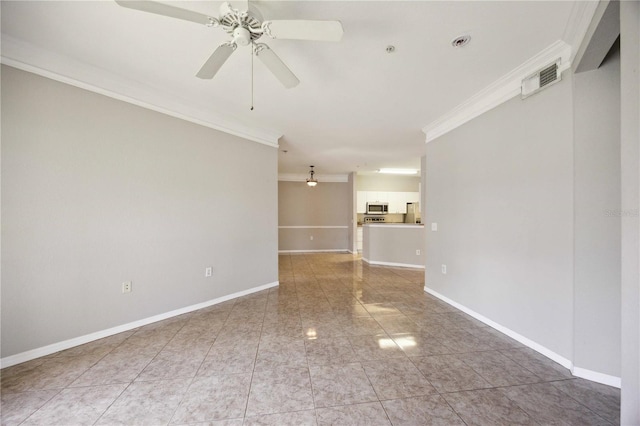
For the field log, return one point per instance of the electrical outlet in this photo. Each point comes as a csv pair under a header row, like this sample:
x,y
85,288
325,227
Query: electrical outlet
x,y
418,252
208,271
444,269
127,287
311,237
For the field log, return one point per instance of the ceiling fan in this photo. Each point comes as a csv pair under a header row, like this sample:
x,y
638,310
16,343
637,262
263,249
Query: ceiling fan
x,y
246,27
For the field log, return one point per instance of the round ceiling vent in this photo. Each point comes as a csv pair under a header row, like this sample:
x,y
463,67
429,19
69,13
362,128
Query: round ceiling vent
x,y
461,40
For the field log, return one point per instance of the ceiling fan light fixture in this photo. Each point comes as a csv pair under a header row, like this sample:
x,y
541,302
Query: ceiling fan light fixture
x,y
398,171
241,36
311,181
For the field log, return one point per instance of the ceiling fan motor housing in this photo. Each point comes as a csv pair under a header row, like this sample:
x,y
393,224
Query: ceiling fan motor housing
x,y
243,26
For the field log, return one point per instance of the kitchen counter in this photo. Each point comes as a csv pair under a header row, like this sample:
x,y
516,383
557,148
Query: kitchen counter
x,y
394,244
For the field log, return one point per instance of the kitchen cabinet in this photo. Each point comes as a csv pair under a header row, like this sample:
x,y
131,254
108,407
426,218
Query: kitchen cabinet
x,y
375,196
397,200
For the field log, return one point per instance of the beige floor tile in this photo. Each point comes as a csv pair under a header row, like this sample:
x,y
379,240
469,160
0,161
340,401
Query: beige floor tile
x,y
487,407
329,350
497,369
368,414
449,374
545,403
283,352
296,418
423,410
538,364
214,398
79,406
331,343
280,390
397,378
16,407
146,403
418,344
340,384
379,346
604,400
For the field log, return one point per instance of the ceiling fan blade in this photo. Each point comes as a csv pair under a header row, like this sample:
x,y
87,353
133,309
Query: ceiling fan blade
x,y
168,10
276,66
216,60
304,30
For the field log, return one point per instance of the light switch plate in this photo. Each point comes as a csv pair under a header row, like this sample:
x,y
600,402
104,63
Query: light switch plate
x,y
434,226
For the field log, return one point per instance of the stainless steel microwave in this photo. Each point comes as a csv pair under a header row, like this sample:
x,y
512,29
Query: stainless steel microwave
x,y
377,208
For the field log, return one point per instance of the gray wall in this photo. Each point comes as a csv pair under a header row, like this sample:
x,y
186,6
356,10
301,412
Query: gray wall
x,y
388,183
394,244
96,192
500,188
630,156
597,222
322,212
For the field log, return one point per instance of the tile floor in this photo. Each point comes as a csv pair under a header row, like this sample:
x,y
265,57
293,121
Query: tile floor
x,y
338,342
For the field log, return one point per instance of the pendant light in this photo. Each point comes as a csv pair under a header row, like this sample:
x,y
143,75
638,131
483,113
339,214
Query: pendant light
x,y
311,181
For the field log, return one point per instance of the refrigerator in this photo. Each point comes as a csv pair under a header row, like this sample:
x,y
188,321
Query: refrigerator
x,y
413,213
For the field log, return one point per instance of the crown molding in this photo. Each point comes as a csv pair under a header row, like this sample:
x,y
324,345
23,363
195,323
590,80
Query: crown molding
x,y
579,22
499,91
300,177
27,57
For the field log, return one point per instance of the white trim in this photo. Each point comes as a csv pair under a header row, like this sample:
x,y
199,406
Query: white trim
x,y
302,178
314,227
578,24
499,91
76,341
27,57
315,251
516,336
401,265
594,376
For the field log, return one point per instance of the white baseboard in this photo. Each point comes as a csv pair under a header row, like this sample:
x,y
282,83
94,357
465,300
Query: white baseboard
x,y
516,336
315,251
81,340
568,364
594,376
401,265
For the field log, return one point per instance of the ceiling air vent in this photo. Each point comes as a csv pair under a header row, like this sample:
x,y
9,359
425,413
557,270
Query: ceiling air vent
x,y
541,79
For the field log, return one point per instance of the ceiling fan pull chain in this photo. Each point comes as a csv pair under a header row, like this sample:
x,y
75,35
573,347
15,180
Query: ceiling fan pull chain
x,y
251,50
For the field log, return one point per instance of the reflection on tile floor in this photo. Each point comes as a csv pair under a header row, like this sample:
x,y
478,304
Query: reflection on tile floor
x,y
338,342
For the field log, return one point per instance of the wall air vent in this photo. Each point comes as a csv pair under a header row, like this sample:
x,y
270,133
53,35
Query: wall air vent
x,y
541,79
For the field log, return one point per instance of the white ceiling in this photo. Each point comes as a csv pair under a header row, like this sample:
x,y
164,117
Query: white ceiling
x,y
357,107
